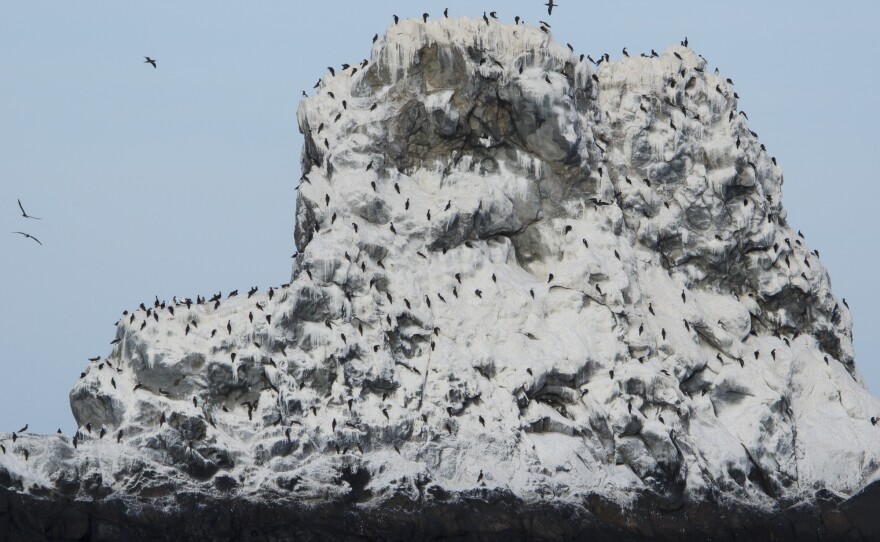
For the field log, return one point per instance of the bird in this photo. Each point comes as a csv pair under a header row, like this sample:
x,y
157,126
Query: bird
x,y
446,13
396,19
23,429
425,17
150,61
485,18
625,53
550,5
28,236
24,214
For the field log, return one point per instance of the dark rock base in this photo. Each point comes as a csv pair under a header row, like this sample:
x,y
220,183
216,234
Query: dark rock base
x,y
487,517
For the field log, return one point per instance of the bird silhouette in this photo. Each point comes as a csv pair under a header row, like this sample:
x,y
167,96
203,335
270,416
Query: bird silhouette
x,y
150,61
24,214
550,5
28,236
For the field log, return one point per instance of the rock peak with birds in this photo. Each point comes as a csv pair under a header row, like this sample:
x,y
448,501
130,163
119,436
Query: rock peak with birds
x,y
519,275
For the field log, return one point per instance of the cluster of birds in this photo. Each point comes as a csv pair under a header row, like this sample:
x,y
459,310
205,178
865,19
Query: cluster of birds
x,y
191,323
15,437
26,216
688,114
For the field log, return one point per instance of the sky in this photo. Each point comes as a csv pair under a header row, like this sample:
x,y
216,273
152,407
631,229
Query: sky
x,y
180,180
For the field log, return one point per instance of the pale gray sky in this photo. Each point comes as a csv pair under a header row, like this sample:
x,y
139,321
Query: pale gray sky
x,y
179,180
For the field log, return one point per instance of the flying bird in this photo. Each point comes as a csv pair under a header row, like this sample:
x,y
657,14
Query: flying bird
x,y
24,214
150,61
28,236
550,5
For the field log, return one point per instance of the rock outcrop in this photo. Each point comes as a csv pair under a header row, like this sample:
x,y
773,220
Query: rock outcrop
x,y
529,299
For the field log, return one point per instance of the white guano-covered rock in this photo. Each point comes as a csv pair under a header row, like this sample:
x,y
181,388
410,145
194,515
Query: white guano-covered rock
x,y
514,273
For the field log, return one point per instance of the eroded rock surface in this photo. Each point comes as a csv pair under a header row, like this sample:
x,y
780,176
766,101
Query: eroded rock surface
x,y
519,281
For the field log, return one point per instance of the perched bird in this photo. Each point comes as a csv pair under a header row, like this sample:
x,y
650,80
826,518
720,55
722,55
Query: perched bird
x,y
150,61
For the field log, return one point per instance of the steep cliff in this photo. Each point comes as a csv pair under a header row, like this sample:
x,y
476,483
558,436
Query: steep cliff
x,y
520,281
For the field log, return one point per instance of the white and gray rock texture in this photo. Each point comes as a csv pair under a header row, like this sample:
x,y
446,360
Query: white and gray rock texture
x,y
531,299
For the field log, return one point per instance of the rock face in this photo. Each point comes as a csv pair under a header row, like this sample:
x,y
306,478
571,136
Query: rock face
x,y
530,300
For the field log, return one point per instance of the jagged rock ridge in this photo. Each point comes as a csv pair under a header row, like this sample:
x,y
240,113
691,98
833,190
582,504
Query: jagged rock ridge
x,y
516,278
